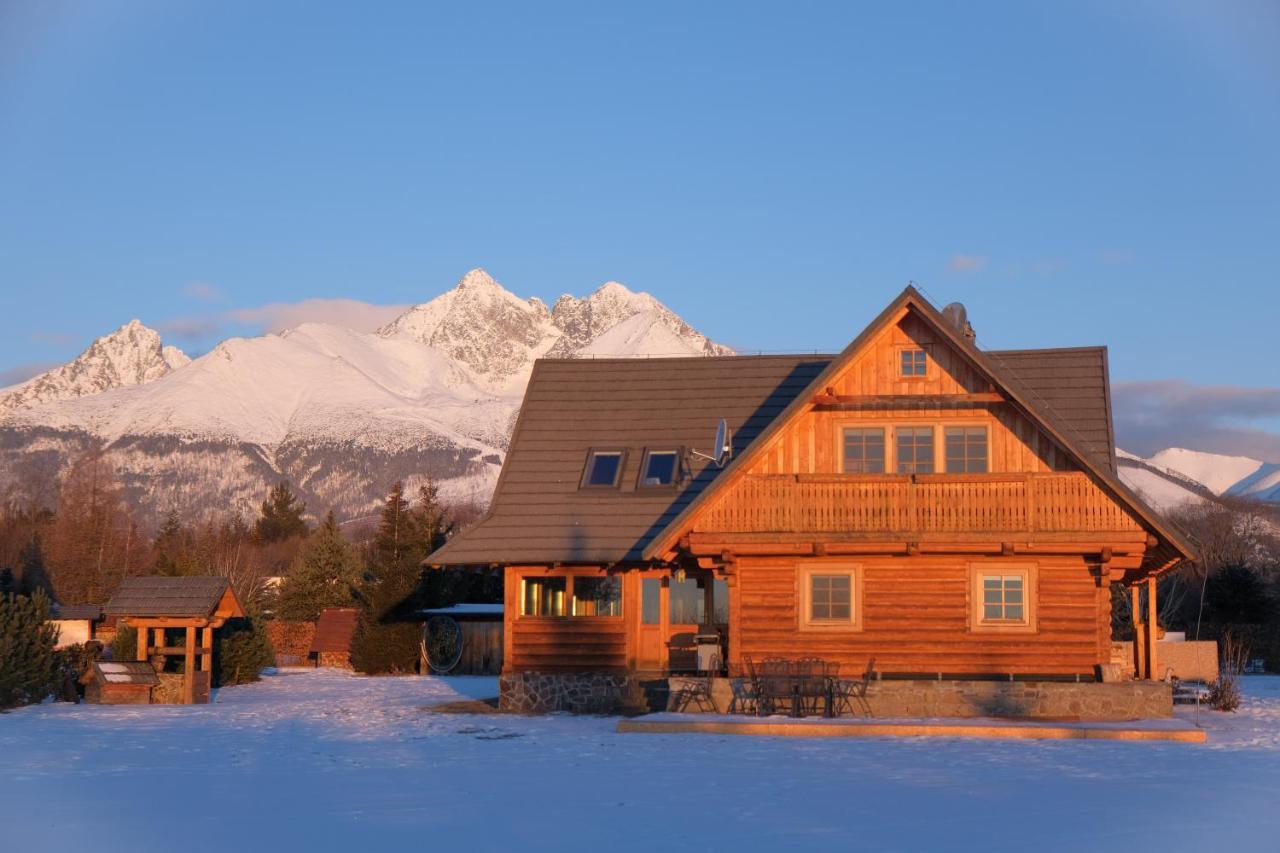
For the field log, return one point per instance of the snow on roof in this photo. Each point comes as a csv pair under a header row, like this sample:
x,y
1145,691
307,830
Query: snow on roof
x,y
465,609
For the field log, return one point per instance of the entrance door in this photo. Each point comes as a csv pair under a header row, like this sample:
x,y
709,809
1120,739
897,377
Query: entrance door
x,y
652,651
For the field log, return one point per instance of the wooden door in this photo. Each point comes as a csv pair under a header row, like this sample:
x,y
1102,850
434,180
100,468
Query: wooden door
x,y
652,633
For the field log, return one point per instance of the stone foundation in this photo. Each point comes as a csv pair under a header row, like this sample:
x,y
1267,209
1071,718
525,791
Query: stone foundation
x,y
577,693
1129,700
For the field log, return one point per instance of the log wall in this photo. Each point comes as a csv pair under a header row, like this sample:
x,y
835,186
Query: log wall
x,y
916,615
561,643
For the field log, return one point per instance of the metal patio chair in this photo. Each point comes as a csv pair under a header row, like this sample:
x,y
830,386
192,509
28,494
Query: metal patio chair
x,y
851,696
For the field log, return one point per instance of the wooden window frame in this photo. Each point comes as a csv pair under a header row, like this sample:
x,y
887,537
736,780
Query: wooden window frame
x,y
569,575
943,448
929,363
932,426
885,431
804,594
1030,589
676,472
586,468
891,427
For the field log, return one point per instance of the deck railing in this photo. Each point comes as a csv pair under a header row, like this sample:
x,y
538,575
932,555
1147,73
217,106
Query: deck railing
x,y
921,503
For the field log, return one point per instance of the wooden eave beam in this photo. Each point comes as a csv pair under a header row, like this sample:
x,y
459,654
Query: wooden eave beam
x,y
837,402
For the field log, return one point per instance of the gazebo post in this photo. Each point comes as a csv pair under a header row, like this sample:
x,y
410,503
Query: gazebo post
x,y
144,634
189,667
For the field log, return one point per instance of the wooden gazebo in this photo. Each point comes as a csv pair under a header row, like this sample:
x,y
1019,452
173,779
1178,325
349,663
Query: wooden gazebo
x,y
155,605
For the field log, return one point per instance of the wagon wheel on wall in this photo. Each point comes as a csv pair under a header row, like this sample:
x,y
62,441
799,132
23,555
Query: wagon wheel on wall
x,y
442,643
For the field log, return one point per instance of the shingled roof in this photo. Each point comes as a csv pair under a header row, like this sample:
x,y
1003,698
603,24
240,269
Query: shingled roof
x,y
334,629
539,514
166,596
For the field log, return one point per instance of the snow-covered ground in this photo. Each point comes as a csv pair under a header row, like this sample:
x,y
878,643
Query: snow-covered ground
x,y
324,760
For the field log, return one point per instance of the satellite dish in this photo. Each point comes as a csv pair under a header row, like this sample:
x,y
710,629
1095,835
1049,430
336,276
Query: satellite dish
x,y
723,446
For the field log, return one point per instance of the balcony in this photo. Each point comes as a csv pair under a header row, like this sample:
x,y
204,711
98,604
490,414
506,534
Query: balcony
x,y
911,506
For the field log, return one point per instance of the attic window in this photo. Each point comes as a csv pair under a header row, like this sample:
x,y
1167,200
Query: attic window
x,y
659,468
915,363
603,468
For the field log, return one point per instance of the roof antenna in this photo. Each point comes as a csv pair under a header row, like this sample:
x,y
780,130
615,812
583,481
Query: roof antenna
x,y
723,446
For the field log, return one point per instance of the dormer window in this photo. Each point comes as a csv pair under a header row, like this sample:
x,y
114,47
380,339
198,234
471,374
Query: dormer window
x,y
915,363
660,467
604,469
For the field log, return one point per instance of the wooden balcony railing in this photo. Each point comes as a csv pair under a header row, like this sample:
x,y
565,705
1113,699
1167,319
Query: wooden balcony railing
x,y
915,504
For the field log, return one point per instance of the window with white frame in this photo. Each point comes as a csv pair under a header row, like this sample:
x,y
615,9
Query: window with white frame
x,y
1003,597
830,597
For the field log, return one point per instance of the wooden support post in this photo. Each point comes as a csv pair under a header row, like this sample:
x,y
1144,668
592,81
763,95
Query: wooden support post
x,y
206,649
709,601
1153,631
1135,605
144,633
189,668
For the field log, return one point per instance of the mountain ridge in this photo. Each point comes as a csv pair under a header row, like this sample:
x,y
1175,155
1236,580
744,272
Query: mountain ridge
x,y
340,413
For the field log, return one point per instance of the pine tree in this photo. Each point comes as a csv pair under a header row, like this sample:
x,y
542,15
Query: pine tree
x,y
244,651
27,661
34,576
387,636
281,516
325,574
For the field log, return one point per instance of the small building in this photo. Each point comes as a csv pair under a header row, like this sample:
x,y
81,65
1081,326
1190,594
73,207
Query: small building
x,y
76,623
119,683
331,645
480,633
950,512
169,613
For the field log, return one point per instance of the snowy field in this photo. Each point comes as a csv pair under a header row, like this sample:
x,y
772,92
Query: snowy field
x,y
323,760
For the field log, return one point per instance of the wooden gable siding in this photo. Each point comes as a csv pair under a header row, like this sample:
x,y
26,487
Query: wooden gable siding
x,y
915,619
810,445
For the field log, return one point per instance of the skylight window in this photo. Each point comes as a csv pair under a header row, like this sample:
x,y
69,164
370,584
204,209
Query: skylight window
x,y
659,468
603,468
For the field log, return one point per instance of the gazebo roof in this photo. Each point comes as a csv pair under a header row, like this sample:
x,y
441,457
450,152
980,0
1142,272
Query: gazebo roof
x,y
197,597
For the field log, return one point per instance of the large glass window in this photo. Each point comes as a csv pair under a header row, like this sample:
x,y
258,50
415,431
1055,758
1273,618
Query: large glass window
x,y
915,450
687,602
650,601
831,598
966,450
543,597
603,468
597,596
659,468
1004,598
864,450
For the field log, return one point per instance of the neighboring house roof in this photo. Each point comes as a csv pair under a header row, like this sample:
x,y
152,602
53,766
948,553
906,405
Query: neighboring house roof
x,y
539,514
166,596
334,629
71,612
126,672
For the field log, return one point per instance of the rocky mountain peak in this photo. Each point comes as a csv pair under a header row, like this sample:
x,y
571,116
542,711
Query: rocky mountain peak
x,y
131,355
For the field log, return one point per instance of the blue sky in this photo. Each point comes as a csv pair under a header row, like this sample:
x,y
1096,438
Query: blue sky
x,y
1075,173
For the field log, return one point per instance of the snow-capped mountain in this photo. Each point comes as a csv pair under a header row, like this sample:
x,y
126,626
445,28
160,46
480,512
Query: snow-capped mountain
x,y
341,414
498,335
1176,476
131,355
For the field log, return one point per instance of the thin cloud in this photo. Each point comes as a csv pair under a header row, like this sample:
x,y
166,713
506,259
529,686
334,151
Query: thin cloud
x,y
23,372
1117,257
278,316
966,263
53,339
1151,416
203,291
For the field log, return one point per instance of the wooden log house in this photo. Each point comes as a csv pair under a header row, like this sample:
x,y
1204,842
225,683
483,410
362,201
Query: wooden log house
x,y
952,512
176,617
